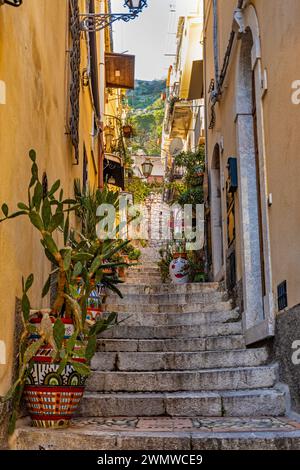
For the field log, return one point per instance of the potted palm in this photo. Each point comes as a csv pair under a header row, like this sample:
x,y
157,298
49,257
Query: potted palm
x,y
57,344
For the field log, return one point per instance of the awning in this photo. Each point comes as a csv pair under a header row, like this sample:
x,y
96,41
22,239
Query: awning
x,y
181,119
196,82
119,70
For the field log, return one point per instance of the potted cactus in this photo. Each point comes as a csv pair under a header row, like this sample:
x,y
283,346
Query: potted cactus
x,y
57,344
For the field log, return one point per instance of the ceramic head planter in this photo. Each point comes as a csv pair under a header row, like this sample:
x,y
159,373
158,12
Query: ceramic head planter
x,y
179,271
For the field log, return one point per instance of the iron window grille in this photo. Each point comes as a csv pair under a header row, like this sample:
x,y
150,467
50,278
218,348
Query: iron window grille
x,y
282,296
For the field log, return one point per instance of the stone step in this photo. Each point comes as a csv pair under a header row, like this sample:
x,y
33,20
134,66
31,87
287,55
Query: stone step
x,y
240,378
186,331
143,269
169,361
133,273
167,308
162,433
173,345
263,402
142,280
176,318
207,299
204,288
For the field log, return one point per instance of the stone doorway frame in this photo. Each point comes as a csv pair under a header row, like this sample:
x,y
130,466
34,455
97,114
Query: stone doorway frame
x,y
259,312
217,226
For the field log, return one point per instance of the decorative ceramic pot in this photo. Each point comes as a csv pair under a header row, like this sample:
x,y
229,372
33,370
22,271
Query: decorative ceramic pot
x,y
95,302
179,271
53,398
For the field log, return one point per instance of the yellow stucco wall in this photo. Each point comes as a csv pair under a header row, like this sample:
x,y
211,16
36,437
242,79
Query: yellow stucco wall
x,y
280,46
34,66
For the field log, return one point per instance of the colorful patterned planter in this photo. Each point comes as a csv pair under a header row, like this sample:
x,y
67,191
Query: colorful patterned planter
x,y
95,303
53,398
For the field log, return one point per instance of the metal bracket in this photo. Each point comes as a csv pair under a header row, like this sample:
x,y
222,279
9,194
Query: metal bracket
x,y
92,22
239,21
12,3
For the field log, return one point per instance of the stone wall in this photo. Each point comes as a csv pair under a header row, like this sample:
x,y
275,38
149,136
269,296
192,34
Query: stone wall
x,y
288,331
4,416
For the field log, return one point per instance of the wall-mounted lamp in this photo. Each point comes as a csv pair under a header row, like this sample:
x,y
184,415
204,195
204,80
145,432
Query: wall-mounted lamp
x,y
12,3
92,22
111,180
147,168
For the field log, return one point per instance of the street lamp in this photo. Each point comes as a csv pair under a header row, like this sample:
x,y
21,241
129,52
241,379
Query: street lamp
x,y
135,4
147,168
92,22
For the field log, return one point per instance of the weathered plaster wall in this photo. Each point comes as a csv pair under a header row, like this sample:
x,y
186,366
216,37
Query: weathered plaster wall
x,y
280,44
34,66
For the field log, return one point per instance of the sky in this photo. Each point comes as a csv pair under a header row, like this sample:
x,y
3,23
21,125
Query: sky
x,y
149,37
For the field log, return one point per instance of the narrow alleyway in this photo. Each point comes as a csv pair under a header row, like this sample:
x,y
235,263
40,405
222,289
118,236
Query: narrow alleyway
x,y
174,375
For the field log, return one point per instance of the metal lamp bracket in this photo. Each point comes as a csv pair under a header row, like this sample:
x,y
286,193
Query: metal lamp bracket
x,y
12,3
92,22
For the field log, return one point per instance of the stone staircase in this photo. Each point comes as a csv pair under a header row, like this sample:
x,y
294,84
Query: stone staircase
x,y
175,374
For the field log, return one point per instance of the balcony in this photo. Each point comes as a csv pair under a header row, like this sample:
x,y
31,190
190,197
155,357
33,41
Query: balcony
x,y
180,119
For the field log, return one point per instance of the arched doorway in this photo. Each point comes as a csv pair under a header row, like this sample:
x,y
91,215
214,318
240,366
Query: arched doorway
x,y
258,317
216,216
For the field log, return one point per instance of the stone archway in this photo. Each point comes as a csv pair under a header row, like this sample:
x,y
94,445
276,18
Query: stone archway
x,y
216,216
258,316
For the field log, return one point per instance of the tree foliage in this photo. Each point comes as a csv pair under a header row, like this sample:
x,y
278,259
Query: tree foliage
x,y
146,116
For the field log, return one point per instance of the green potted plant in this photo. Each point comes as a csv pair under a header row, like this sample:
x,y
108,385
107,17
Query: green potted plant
x,y
165,259
179,249
57,344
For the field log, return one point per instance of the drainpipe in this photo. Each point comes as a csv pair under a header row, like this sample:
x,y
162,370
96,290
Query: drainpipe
x,y
102,101
206,137
227,56
216,46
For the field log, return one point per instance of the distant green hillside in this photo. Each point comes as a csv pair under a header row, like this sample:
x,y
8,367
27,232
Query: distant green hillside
x,y
146,115
145,93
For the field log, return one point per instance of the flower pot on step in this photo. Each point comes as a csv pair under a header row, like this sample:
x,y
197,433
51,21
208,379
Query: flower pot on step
x,y
179,255
52,398
95,301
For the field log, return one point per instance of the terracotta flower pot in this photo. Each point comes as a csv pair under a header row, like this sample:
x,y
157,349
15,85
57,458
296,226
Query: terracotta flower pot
x,y
122,272
179,255
53,398
127,131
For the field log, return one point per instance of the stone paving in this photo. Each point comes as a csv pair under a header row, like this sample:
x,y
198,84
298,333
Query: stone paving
x,y
168,424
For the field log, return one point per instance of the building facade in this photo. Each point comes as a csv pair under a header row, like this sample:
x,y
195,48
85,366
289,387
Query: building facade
x,y
183,128
251,83
53,98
